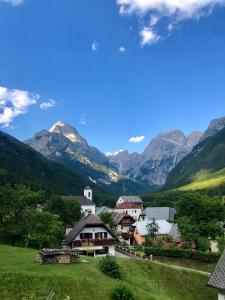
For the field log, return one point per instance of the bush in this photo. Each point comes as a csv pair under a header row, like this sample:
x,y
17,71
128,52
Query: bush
x,y
122,292
183,253
110,266
221,243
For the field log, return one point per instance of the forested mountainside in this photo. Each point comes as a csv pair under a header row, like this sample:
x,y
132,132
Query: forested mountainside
x,y
20,164
206,157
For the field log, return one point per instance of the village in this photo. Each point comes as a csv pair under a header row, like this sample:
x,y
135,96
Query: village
x,y
130,225
131,228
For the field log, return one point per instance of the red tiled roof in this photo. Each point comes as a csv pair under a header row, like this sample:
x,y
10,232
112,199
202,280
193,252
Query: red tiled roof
x,y
127,205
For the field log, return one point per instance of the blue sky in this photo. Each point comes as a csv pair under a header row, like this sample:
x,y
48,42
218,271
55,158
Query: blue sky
x,y
113,70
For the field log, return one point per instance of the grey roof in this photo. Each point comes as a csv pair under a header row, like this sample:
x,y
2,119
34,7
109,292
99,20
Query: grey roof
x,y
86,221
80,199
159,213
103,209
132,199
217,278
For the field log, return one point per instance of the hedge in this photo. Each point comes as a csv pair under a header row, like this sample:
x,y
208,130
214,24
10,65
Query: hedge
x,y
183,253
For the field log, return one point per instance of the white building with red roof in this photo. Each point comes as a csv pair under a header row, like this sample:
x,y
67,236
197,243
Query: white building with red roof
x,y
133,209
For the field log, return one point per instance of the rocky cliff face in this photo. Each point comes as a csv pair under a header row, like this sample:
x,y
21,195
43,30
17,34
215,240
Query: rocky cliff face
x,y
64,144
214,127
159,158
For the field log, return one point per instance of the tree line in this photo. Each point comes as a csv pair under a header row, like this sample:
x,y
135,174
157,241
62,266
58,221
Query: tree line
x,y
34,219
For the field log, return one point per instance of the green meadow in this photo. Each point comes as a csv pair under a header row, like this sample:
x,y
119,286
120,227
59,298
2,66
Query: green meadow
x,y
22,278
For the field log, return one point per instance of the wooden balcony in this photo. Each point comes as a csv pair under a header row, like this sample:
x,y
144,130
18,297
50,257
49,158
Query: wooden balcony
x,y
94,242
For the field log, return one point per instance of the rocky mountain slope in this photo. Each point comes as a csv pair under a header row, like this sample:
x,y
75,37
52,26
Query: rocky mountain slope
x,y
215,126
206,157
64,144
158,159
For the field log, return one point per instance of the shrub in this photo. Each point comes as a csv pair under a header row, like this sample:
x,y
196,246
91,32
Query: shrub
x,y
183,253
110,266
122,292
203,244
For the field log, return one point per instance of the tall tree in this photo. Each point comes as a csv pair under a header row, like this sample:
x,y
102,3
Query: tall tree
x,y
199,217
14,203
43,229
69,211
107,219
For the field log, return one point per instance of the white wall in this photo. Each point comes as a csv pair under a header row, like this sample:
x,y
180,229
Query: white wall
x,y
221,296
88,193
87,208
133,212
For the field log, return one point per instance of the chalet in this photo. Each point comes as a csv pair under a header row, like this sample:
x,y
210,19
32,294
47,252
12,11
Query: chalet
x,y
217,278
90,236
133,209
85,201
131,199
123,221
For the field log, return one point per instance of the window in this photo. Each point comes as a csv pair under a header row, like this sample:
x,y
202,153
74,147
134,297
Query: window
x,y
89,194
85,236
101,235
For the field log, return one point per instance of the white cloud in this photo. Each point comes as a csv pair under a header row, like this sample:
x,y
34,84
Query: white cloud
x,y
122,49
94,46
13,2
114,153
47,105
170,12
153,20
13,103
83,120
137,139
148,36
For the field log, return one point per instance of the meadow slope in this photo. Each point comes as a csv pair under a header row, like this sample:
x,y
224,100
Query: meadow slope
x,y
22,278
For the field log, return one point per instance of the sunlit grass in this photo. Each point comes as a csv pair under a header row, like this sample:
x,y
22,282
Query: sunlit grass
x,y
205,180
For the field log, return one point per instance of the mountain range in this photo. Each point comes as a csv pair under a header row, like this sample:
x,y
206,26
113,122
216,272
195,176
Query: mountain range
x,y
124,173
60,159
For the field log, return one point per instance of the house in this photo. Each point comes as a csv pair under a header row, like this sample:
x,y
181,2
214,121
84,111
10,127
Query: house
x,y
217,278
85,201
131,199
123,221
133,209
139,230
160,213
90,236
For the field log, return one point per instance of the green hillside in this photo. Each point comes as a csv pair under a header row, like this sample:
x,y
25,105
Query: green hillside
x,y
21,164
207,156
22,278
206,181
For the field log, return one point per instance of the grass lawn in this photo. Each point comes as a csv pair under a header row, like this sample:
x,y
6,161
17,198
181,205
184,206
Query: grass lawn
x,y
187,263
21,278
